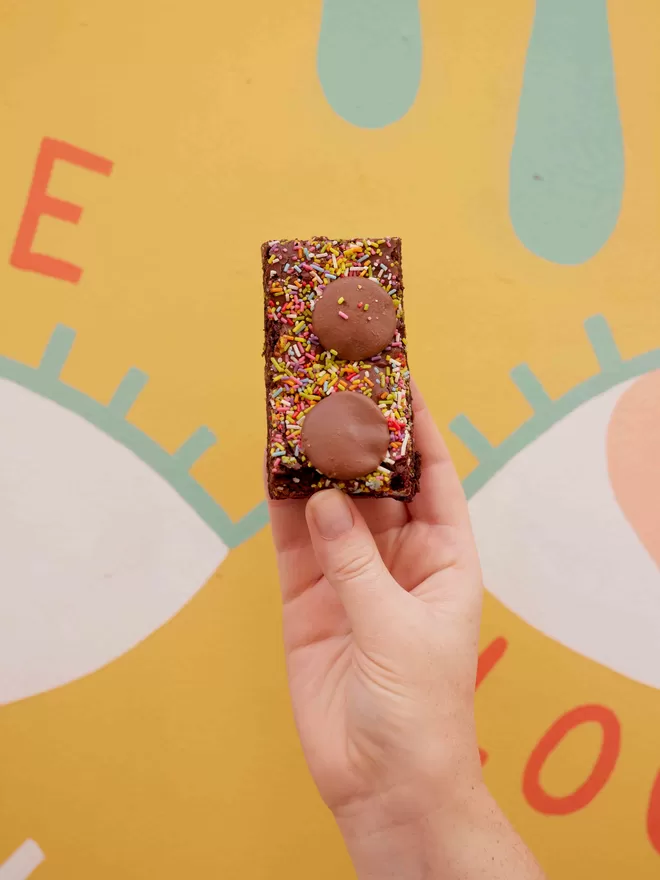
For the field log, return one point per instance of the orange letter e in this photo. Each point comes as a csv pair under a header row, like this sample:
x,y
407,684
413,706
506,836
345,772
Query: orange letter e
x,y
39,202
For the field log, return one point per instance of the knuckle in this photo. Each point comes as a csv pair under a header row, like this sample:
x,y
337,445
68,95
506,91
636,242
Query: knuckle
x,y
357,565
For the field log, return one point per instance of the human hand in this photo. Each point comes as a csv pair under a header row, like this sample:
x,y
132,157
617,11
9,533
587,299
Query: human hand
x,y
381,617
382,602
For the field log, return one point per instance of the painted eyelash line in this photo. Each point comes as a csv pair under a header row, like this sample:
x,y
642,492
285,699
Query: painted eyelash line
x,y
45,381
547,412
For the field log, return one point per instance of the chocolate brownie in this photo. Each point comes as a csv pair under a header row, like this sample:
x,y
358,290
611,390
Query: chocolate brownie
x,y
339,405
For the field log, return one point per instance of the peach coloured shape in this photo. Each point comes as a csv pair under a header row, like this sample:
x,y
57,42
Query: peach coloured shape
x,y
633,457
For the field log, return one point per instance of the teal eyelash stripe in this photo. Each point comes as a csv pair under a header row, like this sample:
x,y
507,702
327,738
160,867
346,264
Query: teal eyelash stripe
x,y
194,448
45,381
475,441
547,412
603,344
128,392
530,388
56,353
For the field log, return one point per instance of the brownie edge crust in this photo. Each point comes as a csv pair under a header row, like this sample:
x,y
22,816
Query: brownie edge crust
x,y
359,285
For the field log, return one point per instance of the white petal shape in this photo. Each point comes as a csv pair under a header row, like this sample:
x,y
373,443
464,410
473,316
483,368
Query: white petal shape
x,y
557,550
23,863
96,549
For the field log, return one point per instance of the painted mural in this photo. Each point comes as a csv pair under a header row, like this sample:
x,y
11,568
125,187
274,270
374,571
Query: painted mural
x,y
147,152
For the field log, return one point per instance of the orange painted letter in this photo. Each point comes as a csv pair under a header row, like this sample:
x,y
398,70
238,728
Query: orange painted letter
x,y
550,805
39,202
489,658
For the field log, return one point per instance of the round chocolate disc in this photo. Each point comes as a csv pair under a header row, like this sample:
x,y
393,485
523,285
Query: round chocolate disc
x,y
345,435
355,317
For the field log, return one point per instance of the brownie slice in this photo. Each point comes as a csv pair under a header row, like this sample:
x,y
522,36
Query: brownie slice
x,y
300,372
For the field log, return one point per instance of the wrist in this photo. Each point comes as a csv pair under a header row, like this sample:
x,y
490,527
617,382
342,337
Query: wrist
x,y
423,785
466,835
402,836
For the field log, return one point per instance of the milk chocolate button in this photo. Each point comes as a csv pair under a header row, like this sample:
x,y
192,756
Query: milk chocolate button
x,y
345,436
355,317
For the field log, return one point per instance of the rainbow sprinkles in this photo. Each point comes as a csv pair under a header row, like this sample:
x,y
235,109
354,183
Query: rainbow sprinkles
x,y
300,372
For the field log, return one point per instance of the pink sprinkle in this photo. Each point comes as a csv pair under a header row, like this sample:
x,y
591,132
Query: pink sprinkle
x,y
343,315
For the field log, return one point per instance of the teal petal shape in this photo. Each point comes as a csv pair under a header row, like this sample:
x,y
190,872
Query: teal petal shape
x,y
567,166
370,59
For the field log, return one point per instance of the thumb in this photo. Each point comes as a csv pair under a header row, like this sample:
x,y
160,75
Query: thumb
x,y
347,554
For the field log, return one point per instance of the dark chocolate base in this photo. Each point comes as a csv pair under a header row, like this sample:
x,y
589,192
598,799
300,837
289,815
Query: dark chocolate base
x,y
303,481
405,483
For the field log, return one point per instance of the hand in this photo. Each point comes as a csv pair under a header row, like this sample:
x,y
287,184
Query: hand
x,y
382,603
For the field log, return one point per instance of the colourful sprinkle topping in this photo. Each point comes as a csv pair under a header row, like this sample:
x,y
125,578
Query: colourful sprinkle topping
x,y
305,373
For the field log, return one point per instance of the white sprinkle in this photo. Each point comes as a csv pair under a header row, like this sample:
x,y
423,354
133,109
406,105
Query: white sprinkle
x,y
405,443
384,470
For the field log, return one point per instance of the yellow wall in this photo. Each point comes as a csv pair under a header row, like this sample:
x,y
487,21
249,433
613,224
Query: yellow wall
x,y
180,758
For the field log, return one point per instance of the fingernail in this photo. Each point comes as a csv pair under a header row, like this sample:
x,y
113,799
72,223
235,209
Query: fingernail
x,y
331,513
